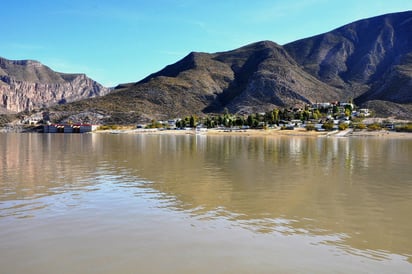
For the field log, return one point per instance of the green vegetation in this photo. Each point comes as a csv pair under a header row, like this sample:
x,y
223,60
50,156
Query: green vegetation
x,y
328,126
4,119
343,126
310,127
374,127
404,128
287,118
109,127
312,117
359,126
155,124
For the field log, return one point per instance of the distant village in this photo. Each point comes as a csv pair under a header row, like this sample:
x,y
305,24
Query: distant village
x,y
316,116
325,116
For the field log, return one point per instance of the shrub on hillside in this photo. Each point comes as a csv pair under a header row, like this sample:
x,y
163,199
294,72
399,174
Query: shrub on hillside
x,y
359,126
327,126
310,127
404,128
108,127
343,126
374,127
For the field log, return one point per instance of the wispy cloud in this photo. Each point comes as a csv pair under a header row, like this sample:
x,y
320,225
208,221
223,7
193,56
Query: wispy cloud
x,y
281,9
22,46
103,11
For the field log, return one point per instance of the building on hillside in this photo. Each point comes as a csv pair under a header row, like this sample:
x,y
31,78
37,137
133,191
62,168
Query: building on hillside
x,y
342,104
364,112
321,105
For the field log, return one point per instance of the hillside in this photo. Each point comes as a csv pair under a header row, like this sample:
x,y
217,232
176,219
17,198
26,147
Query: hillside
x,y
371,59
27,85
368,61
253,78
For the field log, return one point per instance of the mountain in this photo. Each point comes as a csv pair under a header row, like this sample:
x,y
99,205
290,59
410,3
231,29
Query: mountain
x,y
27,85
368,61
253,78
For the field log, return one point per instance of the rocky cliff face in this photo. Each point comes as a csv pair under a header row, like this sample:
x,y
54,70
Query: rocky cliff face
x,y
27,85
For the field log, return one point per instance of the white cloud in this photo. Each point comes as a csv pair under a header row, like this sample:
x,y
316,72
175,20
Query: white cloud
x,y
21,46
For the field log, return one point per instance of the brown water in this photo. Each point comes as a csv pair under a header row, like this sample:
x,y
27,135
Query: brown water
x,y
204,204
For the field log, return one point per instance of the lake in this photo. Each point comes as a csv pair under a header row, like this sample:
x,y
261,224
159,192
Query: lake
x,y
130,203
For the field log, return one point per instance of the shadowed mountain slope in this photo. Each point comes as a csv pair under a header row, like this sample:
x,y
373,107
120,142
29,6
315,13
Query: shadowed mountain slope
x,y
370,59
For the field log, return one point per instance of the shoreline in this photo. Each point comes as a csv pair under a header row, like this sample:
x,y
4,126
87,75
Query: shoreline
x,y
297,132
216,132
266,133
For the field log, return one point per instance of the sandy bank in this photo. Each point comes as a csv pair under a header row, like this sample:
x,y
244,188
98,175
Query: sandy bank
x,y
220,132
264,132
381,134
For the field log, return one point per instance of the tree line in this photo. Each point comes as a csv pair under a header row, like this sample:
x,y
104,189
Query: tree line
x,y
257,120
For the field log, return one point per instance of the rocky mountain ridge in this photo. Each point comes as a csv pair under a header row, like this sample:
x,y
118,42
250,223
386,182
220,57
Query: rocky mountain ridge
x,y
368,61
370,58
27,85
253,78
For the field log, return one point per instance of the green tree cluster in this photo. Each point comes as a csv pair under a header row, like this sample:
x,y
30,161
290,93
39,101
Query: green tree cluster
x,y
260,120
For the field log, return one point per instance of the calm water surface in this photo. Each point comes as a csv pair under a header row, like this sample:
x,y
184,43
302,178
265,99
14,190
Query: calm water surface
x,y
100,203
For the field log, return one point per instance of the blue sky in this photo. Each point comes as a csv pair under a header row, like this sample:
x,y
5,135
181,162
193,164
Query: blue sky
x,y
120,41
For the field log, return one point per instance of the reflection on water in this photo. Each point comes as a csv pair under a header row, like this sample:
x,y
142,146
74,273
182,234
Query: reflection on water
x,y
351,195
359,188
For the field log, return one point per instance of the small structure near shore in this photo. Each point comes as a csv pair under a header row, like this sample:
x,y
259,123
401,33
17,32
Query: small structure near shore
x,y
67,128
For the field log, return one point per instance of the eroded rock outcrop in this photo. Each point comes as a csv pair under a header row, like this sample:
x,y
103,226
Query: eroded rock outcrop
x,y
27,85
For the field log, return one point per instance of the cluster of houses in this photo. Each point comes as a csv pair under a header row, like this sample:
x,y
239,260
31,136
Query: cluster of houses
x,y
36,120
340,107
332,112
